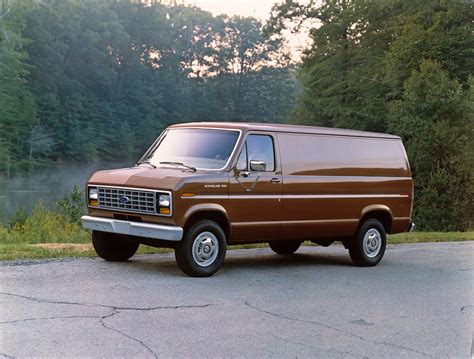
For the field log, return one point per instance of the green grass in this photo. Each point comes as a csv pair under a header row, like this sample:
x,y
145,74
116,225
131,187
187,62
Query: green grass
x,y
424,237
25,239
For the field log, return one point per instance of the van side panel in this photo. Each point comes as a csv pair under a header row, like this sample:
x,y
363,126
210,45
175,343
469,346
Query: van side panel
x,y
329,181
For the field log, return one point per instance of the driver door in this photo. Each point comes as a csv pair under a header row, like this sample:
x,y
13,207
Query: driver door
x,y
255,190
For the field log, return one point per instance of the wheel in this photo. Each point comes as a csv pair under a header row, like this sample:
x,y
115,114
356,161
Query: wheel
x,y
113,247
368,246
201,252
284,247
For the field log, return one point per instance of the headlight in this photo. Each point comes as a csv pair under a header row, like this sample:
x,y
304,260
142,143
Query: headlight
x,y
93,197
93,193
164,200
163,204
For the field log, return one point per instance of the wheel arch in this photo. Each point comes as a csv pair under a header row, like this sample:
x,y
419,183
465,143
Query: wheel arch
x,y
212,212
380,212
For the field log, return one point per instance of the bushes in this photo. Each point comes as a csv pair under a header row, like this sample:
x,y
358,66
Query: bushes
x,y
72,205
44,226
434,118
61,225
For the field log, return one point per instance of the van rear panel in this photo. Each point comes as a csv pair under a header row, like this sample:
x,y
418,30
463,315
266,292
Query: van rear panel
x,y
331,182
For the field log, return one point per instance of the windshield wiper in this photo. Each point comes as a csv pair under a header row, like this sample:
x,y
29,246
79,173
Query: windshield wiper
x,y
146,163
178,164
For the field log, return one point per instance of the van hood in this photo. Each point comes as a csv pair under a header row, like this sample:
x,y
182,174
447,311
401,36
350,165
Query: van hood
x,y
141,177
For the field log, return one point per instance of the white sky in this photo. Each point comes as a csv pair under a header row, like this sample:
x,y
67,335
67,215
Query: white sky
x,y
256,8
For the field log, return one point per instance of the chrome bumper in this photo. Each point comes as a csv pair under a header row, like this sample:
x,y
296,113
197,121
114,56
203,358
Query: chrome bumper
x,y
139,229
411,227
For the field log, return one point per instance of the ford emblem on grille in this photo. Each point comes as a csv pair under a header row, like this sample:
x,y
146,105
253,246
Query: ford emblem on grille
x,y
124,199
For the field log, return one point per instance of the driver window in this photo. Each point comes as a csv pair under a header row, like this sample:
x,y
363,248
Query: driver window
x,y
257,148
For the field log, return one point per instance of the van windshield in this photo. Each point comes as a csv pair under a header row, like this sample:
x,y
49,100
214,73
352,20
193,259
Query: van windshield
x,y
199,148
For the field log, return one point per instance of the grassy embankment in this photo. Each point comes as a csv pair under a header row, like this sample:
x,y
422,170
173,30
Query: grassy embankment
x,y
48,234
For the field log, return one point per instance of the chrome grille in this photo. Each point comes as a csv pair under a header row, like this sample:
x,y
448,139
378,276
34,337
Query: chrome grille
x,y
125,199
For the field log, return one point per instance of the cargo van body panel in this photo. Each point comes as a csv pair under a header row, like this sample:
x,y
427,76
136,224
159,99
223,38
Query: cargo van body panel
x,y
328,181
259,183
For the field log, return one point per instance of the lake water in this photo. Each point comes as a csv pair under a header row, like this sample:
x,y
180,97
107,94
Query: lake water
x,y
47,185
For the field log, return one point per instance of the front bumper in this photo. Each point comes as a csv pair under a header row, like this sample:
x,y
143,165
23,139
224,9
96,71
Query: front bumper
x,y
139,229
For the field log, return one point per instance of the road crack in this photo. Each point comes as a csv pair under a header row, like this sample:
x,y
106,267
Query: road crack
x,y
98,305
277,315
115,310
50,318
136,340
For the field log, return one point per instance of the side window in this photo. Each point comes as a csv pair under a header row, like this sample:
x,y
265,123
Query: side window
x,y
242,161
260,148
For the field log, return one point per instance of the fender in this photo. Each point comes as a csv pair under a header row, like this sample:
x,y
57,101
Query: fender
x,y
203,207
375,207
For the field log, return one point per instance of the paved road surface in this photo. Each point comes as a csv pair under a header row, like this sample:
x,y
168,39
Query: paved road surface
x,y
417,303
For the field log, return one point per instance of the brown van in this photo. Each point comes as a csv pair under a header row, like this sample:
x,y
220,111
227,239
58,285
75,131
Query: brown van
x,y
203,186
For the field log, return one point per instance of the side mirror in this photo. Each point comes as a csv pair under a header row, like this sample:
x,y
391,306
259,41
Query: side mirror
x,y
258,166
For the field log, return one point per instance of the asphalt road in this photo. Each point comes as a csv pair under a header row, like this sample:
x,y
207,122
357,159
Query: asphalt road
x,y
418,302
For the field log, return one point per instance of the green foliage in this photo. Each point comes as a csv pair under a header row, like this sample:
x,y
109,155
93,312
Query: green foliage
x,y
435,119
17,108
402,67
72,205
87,80
18,218
43,226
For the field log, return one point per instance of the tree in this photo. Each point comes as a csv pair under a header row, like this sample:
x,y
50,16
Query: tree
x,y
17,106
402,67
434,116
87,80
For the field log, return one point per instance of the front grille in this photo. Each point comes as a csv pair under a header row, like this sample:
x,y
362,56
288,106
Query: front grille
x,y
125,199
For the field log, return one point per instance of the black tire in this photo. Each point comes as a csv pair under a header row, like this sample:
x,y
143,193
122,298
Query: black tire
x,y
114,247
375,247
196,238
284,247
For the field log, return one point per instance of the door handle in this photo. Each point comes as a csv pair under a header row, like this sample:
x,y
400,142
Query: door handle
x,y
275,180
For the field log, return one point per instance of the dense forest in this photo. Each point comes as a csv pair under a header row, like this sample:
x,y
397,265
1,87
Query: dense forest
x,y
403,67
91,80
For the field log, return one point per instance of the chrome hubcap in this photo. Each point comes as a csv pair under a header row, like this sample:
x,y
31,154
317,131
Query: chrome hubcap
x,y
205,249
372,243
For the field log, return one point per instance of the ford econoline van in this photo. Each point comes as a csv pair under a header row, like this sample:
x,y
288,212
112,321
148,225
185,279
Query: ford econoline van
x,y
201,187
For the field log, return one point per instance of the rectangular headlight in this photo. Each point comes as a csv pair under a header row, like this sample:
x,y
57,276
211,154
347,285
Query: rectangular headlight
x,y
164,200
93,196
163,203
93,193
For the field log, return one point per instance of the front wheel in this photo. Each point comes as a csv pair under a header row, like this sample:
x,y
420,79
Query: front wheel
x,y
113,247
202,249
284,247
368,246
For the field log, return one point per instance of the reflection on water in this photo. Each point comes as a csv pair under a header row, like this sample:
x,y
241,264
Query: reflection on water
x,y
47,185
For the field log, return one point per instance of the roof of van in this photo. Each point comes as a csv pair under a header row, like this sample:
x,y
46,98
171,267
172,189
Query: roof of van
x,y
246,126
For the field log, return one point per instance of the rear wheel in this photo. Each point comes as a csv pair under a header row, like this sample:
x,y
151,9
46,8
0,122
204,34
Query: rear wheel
x,y
113,247
368,246
284,247
202,249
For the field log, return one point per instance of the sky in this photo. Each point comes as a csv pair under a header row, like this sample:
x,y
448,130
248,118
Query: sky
x,y
256,8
